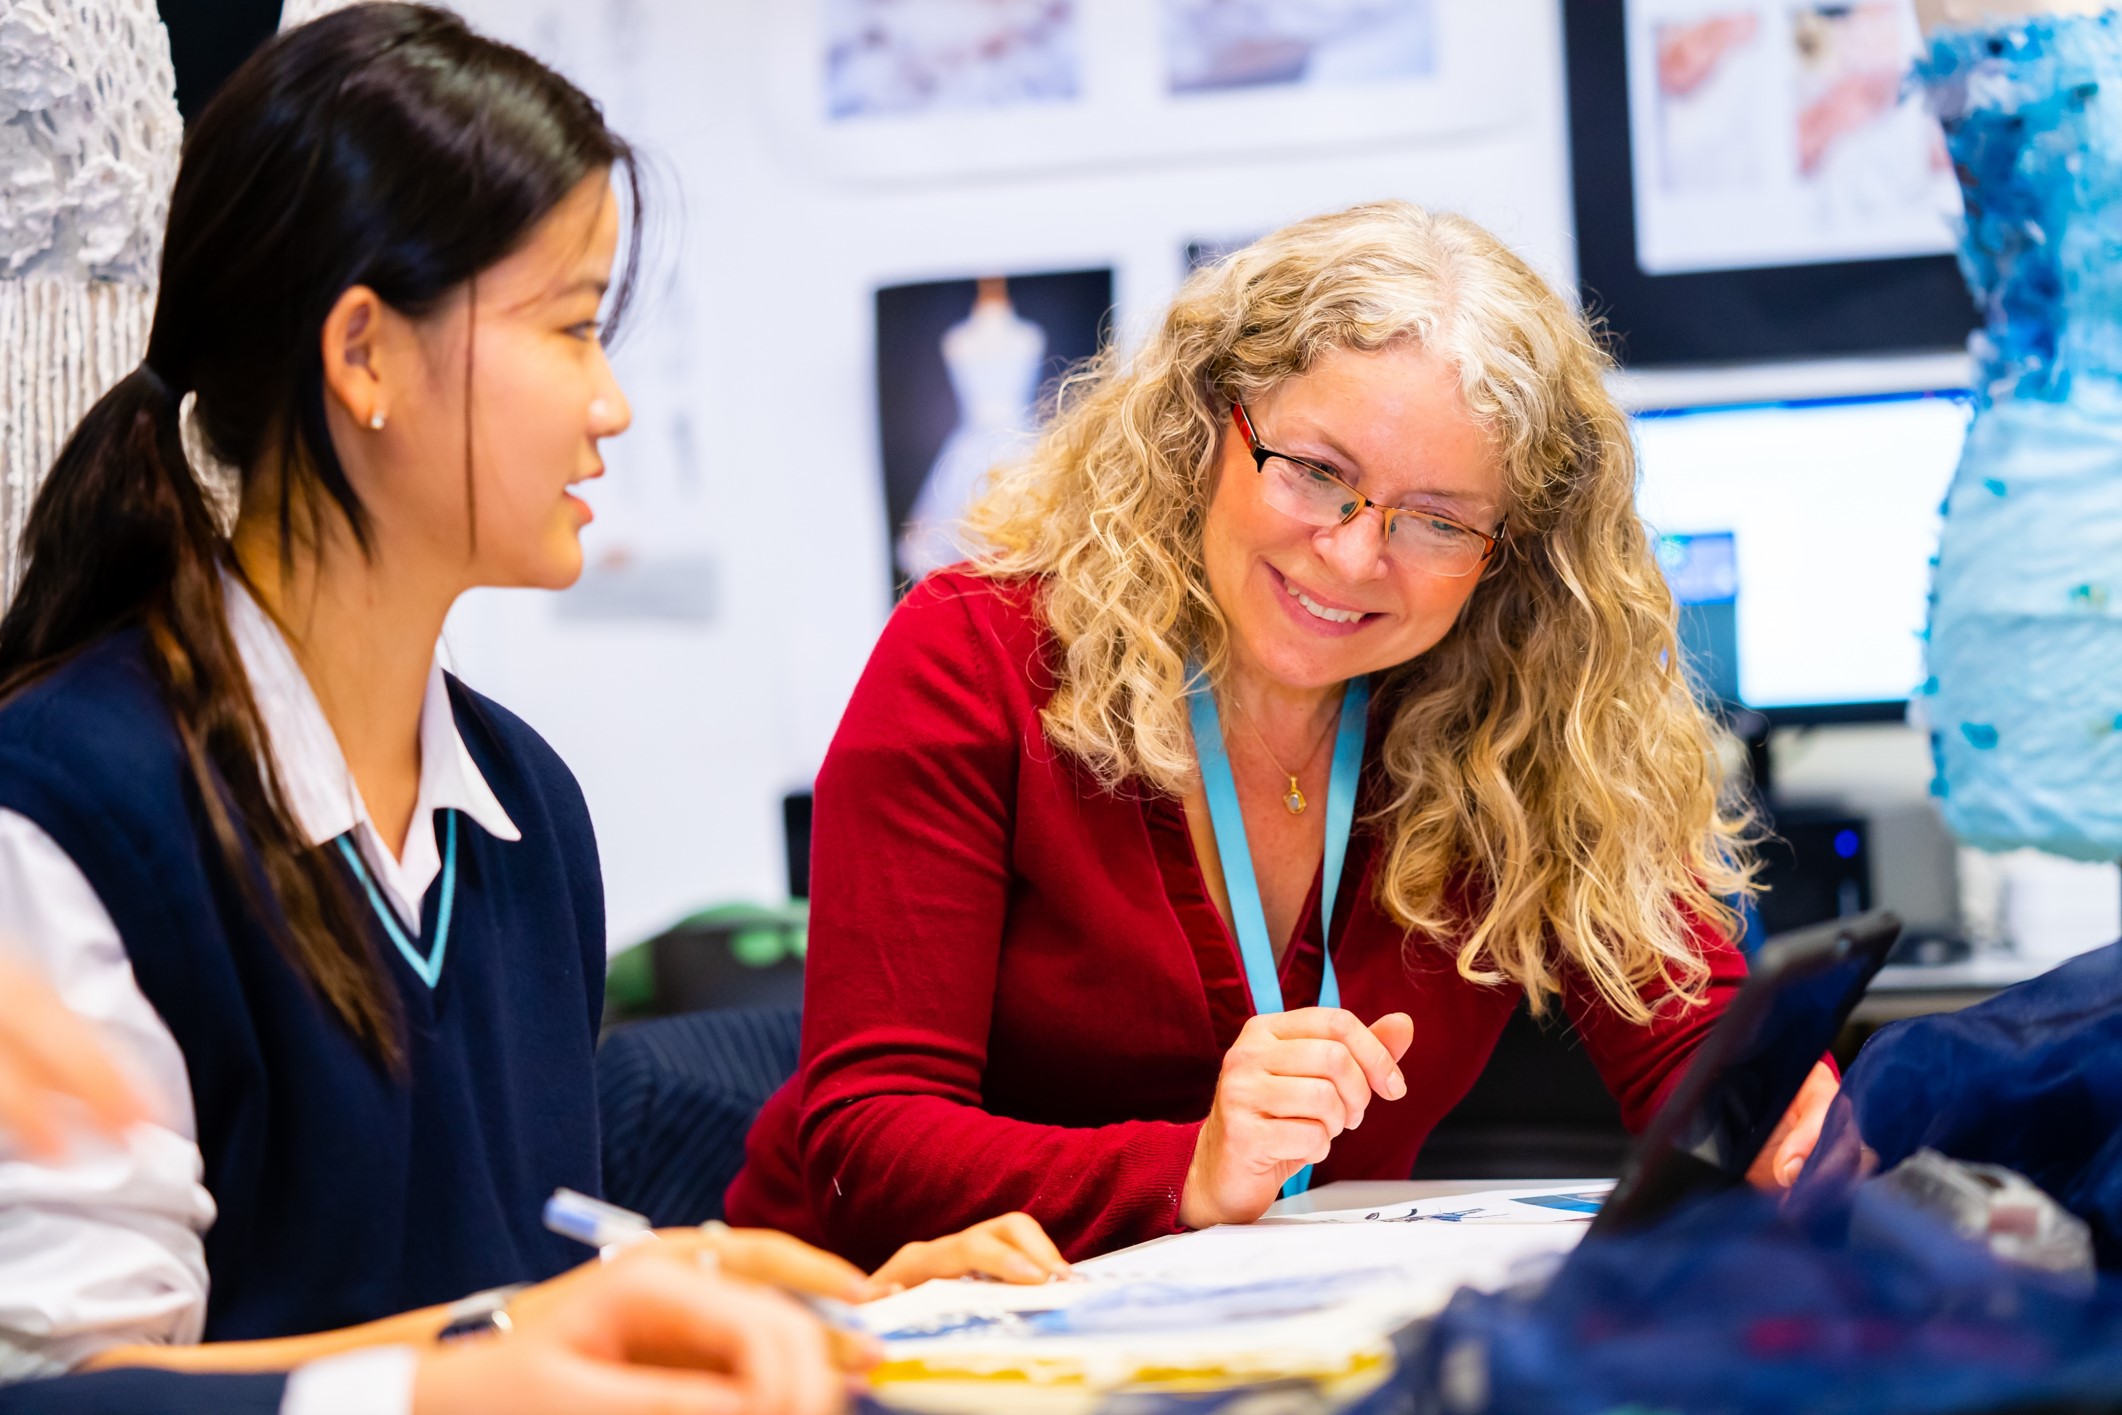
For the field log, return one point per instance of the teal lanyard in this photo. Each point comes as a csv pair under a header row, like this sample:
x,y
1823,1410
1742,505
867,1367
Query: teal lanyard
x,y
429,965
1254,945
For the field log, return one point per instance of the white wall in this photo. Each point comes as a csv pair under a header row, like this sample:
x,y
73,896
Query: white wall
x,y
757,357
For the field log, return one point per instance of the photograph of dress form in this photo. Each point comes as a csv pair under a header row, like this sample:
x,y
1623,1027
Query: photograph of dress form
x,y
916,56
962,366
1212,45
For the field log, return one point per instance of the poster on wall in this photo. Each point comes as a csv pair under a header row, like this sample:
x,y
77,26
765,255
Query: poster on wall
x,y
1215,45
879,91
1771,133
961,369
918,56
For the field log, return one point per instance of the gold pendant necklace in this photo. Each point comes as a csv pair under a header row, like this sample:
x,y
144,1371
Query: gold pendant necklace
x,y
1293,800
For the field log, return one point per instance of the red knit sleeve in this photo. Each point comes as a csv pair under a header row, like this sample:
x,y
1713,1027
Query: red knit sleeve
x,y
912,837
1642,1062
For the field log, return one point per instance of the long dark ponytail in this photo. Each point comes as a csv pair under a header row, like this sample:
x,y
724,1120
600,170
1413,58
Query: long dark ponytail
x,y
384,145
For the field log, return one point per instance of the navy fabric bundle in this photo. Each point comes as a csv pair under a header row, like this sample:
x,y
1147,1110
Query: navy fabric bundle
x,y
1845,1298
1735,1307
2030,1079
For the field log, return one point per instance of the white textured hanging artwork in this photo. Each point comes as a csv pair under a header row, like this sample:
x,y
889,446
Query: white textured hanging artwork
x,y
89,135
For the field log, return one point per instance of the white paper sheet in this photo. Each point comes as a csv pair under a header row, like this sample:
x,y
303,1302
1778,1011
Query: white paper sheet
x,y
1318,1295
1575,1203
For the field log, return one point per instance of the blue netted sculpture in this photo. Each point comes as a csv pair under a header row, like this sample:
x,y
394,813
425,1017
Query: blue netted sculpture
x,y
2024,698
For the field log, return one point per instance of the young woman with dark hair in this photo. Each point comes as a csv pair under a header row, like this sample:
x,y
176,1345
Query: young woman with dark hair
x,y
341,914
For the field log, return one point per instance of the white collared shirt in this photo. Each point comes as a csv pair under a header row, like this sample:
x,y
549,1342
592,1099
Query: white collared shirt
x,y
321,791
105,1248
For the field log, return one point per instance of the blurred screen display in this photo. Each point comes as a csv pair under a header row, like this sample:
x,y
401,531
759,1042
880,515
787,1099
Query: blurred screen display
x,y
1798,536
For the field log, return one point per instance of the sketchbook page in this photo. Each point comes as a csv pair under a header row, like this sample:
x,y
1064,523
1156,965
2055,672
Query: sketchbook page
x,y
1238,1302
1573,1203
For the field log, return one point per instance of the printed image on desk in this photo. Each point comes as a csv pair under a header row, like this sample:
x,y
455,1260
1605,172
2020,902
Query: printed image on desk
x,y
1315,1290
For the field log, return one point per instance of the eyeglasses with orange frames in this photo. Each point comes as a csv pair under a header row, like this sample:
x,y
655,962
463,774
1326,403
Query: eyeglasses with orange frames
x,y
1316,496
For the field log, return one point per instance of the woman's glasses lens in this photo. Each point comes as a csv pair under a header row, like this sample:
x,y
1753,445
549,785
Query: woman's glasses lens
x,y
1423,543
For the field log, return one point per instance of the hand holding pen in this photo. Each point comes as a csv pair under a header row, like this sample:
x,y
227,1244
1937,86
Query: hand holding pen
x,y
648,1333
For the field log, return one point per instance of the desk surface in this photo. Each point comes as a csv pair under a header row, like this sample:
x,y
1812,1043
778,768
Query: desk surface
x,y
1985,971
1370,1194
1914,991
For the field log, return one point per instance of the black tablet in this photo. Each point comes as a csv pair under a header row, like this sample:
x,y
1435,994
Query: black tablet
x,y
1802,988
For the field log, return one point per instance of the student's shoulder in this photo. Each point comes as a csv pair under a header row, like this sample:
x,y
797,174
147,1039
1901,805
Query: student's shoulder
x,y
90,752
508,751
103,708
484,723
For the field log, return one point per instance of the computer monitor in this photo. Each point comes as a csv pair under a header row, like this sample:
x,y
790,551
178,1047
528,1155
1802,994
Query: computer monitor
x,y
1798,537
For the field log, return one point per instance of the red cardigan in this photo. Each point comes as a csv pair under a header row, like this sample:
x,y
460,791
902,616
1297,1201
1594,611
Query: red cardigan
x,y
1020,991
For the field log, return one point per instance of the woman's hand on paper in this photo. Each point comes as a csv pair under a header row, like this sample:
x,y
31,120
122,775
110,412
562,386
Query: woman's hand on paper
x,y
1780,1160
1291,1083
653,1330
1013,1248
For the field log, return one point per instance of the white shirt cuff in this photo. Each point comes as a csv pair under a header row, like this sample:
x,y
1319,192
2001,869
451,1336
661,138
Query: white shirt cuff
x,y
377,1380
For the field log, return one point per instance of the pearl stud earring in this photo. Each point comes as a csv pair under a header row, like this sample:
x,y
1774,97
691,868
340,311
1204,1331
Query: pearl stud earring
x,y
375,421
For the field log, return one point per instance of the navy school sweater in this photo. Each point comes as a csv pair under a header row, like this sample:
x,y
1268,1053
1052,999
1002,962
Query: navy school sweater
x,y
345,1194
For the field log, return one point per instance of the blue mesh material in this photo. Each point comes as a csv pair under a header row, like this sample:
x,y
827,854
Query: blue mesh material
x,y
2024,698
677,1097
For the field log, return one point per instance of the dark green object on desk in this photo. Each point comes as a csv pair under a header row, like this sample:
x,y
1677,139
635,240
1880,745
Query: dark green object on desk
x,y
732,955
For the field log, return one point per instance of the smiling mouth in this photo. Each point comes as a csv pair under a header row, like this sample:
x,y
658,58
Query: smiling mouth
x,y
1318,610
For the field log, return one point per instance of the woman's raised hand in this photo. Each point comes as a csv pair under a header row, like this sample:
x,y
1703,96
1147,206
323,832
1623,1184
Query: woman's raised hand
x,y
653,1332
1291,1083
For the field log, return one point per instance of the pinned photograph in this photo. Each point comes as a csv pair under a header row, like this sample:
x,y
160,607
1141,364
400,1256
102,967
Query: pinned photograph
x,y
1214,45
1863,143
1769,133
961,369
1711,86
906,57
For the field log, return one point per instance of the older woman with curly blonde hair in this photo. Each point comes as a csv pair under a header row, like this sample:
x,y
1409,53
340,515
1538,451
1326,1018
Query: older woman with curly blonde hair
x,y
1316,654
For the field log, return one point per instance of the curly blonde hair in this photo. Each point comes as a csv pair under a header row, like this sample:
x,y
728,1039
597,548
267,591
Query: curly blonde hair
x,y
1554,794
